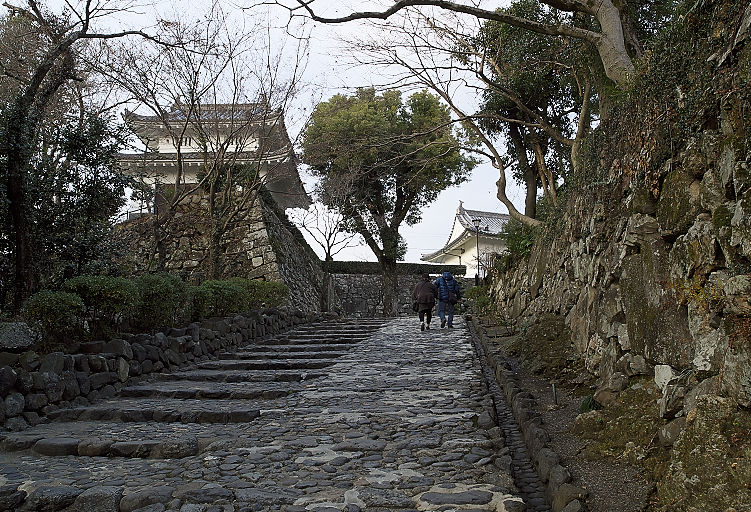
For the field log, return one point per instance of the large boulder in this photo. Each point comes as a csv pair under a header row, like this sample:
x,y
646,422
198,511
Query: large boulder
x,y
16,337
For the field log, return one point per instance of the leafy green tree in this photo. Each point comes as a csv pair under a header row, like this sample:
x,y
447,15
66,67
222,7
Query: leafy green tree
x,y
380,161
533,85
50,65
76,190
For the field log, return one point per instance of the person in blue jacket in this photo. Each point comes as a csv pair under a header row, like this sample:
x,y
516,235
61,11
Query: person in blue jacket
x,y
447,290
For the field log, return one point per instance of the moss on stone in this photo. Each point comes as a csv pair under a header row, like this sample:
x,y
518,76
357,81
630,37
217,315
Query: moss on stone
x,y
710,468
657,327
676,208
721,217
545,347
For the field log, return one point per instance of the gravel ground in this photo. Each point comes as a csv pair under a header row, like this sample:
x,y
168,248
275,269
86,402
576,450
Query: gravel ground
x,y
612,486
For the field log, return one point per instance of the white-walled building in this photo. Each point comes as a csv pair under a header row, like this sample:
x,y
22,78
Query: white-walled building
x,y
461,247
181,144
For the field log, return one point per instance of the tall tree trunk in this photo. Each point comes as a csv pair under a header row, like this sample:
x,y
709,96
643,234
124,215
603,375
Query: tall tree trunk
x,y
390,288
21,128
530,177
215,257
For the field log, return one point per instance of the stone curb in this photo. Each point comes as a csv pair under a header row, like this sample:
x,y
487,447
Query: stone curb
x,y
559,492
36,389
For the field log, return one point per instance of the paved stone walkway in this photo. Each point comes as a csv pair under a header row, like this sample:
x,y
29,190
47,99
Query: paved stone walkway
x,y
341,416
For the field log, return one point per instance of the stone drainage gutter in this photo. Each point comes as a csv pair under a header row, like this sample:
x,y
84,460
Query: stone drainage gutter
x,y
511,400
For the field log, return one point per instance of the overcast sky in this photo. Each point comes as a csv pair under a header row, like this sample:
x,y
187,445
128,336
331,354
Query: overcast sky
x,y
329,71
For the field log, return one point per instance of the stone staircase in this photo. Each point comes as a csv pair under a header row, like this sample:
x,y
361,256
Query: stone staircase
x,y
174,415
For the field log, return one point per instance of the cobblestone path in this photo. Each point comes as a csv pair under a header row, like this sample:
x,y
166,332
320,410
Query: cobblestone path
x,y
340,416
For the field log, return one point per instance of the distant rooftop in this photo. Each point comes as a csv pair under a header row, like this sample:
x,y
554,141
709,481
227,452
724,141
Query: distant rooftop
x,y
226,112
490,222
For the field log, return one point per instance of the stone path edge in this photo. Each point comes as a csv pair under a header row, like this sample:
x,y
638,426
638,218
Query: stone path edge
x,y
560,494
38,388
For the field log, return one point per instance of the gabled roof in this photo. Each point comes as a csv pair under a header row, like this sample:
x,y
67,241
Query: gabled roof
x,y
210,112
491,224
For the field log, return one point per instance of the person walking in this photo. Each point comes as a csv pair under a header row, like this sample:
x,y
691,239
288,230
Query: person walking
x,y
424,296
447,289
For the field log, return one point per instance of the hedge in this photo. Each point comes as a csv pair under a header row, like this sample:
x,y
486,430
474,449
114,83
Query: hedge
x,y
372,267
107,304
57,315
163,300
109,301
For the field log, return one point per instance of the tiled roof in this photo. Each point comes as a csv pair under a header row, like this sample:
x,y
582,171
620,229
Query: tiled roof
x,y
490,222
211,112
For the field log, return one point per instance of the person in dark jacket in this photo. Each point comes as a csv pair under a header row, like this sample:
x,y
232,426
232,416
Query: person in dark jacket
x,y
424,295
447,290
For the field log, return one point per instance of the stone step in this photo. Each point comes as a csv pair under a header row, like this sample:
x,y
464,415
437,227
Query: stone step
x,y
314,340
210,390
306,347
240,375
273,355
294,364
164,410
366,328
175,445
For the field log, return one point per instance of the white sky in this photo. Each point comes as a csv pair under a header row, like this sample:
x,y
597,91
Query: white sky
x,y
329,72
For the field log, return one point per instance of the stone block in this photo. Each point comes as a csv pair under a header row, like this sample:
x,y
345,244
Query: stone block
x,y
70,383
94,448
97,363
53,363
15,403
565,494
133,500
16,337
8,378
669,432
36,401
99,499
99,380
11,497
123,369
546,460
52,497
57,446
671,401
737,290
710,386
663,374
679,202
133,449
16,424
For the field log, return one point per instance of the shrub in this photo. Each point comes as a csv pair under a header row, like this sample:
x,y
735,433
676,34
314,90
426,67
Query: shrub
x,y
219,298
480,299
266,293
162,300
57,315
519,238
109,301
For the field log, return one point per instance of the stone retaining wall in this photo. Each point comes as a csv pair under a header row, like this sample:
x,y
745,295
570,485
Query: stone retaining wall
x,y
362,294
32,387
261,243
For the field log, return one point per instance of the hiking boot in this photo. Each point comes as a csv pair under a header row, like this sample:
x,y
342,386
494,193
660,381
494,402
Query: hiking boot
x,y
450,326
443,324
427,326
422,326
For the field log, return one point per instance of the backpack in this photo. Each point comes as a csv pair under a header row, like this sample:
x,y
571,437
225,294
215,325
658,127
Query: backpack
x,y
453,295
